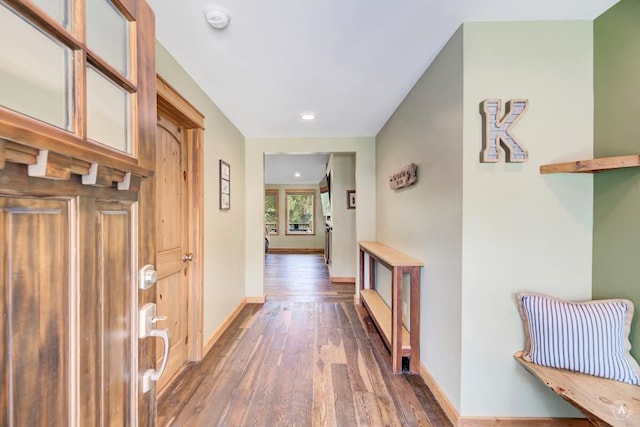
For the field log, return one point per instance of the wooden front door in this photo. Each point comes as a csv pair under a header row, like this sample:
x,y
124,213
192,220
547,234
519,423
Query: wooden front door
x,y
69,298
77,206
172,225
36,293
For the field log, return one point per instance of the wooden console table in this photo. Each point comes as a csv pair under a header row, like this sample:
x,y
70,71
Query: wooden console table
x,y
401,342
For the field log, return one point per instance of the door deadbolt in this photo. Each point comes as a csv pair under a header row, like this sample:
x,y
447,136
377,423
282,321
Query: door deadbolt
x,y
147,277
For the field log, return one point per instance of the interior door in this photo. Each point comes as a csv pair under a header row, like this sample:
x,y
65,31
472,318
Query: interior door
x,y
172,225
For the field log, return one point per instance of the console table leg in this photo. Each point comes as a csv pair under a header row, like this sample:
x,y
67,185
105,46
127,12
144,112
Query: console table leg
x,y
372,273
414,320
396,319
361,269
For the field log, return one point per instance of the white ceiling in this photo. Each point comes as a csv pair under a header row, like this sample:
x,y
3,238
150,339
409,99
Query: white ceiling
x,y
282,168
349,61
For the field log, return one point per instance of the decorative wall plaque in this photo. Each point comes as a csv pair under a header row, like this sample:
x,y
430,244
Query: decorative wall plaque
x,y
225,186
407,176
497,131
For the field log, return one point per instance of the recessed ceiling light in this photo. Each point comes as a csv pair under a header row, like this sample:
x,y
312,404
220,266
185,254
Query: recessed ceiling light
x,y
307,117
297,174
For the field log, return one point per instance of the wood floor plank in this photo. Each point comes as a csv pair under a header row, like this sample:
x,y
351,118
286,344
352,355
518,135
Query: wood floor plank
x,y
351,349
380,391
323,410
182,389
367,410
298,360
203,406
302,393
233,412
343,395
427,400
404,400
264,401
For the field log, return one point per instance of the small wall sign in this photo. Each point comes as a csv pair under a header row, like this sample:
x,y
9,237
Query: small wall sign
x,y
407,176
497,131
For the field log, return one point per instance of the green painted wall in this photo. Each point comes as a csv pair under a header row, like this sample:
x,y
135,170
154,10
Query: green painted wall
x,y
522,230
616,213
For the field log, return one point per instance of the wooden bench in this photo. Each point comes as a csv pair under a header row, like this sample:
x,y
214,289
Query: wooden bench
x,y
388,320
597,398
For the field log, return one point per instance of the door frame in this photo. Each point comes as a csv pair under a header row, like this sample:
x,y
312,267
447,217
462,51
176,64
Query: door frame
x,y
170,102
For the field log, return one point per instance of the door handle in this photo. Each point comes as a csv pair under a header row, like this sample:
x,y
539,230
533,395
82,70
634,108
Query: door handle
x,y
146,328
154,375
187,257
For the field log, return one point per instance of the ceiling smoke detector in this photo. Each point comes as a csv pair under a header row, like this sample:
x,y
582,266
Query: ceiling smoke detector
x,y
216,16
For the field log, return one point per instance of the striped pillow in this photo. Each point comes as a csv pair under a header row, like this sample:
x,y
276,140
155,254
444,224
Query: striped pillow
x,y
589,337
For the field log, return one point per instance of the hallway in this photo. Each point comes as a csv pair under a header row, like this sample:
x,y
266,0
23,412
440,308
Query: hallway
x,y
304,363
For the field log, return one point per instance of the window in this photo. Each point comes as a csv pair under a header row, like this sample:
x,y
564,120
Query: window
x,y
36,72
72,68
301,206
271,210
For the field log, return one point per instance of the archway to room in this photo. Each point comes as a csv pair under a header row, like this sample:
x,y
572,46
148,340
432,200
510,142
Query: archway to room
x,y
309,227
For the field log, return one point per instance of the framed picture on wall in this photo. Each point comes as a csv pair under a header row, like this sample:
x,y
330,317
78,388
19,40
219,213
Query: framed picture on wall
x,y
351,199
225,185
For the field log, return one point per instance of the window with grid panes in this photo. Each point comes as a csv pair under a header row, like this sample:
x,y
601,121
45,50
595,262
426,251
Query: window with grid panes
x,y
70,67
301,205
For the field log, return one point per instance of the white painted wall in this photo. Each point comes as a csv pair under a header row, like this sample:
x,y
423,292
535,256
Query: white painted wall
x,y
521,230
224,239
425,220
255,148
344,247
297,241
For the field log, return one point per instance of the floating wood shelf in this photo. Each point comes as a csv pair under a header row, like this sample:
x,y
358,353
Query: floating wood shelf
x,y
597,398
593,165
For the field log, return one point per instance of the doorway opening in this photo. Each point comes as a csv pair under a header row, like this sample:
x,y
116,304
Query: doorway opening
x,y
310,231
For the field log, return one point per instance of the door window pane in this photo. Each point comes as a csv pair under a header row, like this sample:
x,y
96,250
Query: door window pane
x,y
300,211
57,9
108,34
108,112
35,72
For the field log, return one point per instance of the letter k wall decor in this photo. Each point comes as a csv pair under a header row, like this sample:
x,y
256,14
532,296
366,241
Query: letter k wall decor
x,y
496,131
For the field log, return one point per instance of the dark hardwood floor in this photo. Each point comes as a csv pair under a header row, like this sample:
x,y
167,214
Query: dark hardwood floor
x,y
298,363
302,277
